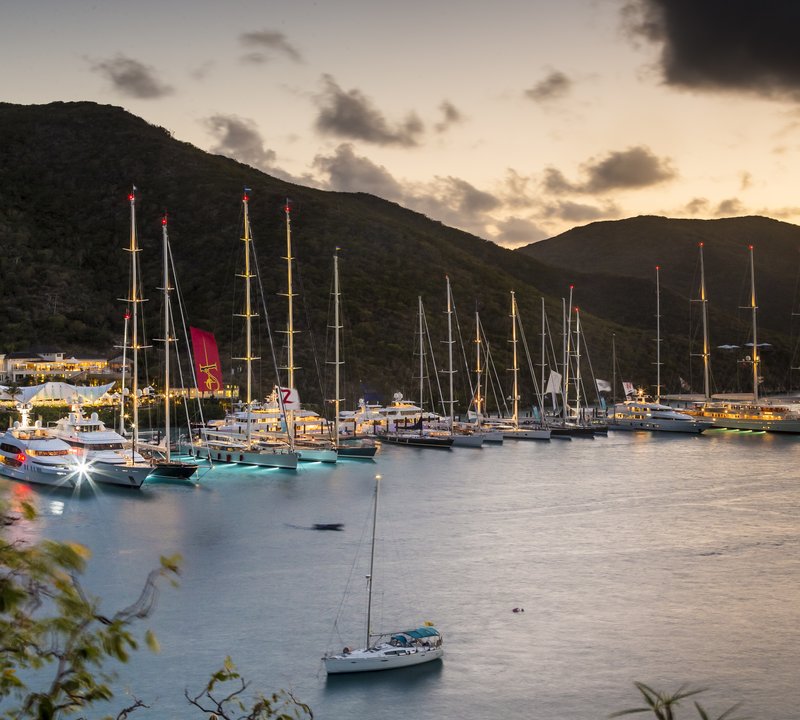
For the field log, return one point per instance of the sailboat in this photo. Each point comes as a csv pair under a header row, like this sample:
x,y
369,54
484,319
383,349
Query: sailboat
x,y
462,436
391,650
110,458
653,416
415,435
163,464
352,447
758,414
516,431
308,447
236,442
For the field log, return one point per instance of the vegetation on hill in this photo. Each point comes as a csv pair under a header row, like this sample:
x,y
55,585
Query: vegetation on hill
x,y
65,173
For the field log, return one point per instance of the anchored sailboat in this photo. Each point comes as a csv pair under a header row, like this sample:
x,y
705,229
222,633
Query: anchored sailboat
x,y
391,650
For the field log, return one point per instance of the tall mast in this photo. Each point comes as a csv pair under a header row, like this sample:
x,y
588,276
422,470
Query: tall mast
x,y
704,310
566,319
421,364
478,370
450,370
544,358
167,336
248,313
134,299
514,368
577,363
372,559
290,368
658,336
336,328
754,308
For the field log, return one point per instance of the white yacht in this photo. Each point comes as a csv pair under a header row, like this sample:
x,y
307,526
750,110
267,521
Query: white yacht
x,y
109,457
653,416
31,454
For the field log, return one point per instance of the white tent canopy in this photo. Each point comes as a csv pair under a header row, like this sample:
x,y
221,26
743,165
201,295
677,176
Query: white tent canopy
x,y
62,391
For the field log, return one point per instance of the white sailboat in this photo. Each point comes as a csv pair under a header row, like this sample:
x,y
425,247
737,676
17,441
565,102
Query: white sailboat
x,y
236,442
309,448
415,435
516,431
759,414
653,416
391,650
346,447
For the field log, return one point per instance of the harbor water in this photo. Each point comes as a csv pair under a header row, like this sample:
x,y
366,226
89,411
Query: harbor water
x,y
635,557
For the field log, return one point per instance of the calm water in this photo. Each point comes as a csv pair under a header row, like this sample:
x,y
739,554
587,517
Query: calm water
x,y
635,557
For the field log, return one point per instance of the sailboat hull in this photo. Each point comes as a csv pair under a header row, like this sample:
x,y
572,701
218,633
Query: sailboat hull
x,y
276,459
380,658
119,474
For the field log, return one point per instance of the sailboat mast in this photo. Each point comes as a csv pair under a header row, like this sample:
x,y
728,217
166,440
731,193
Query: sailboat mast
x,y
336,328
544,358
450,348
577,363
514,367
372,559
613,369
122,379
167,337
290,320
248,313
478,370
134,301
421,364
754,309
704,310
658,336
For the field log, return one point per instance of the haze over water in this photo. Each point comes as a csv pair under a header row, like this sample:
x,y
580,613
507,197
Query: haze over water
x,y
656,558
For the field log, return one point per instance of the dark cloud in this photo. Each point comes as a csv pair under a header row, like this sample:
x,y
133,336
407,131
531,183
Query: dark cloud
x,y
346,172
131,78
350,115
581,212
516,232
731,207
697,206
466,198
556,85
723,44
265,44
239,139
636,167
451,115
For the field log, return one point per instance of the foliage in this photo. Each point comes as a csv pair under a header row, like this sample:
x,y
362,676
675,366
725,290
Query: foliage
x,y
663,705
56,642
219,701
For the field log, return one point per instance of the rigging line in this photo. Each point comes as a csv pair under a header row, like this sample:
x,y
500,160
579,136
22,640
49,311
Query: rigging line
x,y
530,362
433,362
366,526
310,332
266,317
189,352
467,373
591,369
494,377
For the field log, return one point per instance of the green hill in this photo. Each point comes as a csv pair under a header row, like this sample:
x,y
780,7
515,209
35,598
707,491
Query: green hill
x,y
65,173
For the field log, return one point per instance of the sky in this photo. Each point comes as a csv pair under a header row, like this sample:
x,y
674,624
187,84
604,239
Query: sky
x,y
513,120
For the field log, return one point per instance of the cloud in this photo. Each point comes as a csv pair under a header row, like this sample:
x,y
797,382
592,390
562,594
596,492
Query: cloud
x,y
636,167
580,212
267,43
451,115
516,232
351,116
731,207
347,172
131,78
722,45
239,138
697,206
554,87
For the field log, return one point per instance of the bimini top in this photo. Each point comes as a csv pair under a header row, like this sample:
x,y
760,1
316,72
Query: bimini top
x,y
417,634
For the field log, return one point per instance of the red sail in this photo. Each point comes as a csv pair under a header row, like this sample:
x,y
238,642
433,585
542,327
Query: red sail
x,y
207,371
